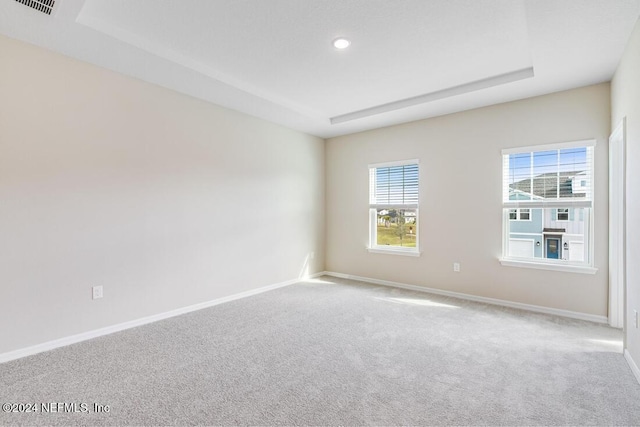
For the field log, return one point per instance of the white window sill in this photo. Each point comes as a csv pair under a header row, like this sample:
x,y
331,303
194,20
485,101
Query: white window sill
x,y
379,250
548,266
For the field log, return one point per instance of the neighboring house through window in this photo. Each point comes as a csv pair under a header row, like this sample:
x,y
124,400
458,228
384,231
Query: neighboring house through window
x,y
548,204
393,207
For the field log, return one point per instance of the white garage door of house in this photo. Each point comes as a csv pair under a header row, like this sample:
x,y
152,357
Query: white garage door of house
x,y
576,251
521,248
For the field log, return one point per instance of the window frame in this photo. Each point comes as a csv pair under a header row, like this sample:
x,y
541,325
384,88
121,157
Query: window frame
x,y
564,211
519,214
587,266
373,247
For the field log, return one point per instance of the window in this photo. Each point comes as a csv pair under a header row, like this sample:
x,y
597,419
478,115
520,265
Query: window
x,y
562,214
548,206
393,207
520,214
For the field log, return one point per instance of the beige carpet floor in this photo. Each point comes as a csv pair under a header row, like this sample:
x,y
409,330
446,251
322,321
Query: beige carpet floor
x,y
335,352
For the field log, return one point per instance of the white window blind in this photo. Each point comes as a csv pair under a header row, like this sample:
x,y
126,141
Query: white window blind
x,y
394,185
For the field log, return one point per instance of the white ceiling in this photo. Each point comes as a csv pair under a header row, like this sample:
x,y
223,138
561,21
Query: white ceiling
x,y
274,59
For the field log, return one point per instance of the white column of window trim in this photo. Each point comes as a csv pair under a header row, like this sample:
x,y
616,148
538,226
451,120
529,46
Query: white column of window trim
x,y
394,163
373,224
549,147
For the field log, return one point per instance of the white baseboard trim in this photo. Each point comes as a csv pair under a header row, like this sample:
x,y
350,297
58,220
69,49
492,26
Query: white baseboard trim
x,y
632,364
493,301
84,336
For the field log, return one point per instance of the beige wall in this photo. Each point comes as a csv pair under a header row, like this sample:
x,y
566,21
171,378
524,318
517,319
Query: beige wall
x,y
461,195
625,102
164,200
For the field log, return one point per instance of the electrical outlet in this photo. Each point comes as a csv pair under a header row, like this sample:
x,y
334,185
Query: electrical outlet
x,y
97,292
636,320
456,267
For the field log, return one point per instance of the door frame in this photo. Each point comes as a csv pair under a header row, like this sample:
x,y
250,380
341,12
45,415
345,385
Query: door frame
x,y
558,239
617,225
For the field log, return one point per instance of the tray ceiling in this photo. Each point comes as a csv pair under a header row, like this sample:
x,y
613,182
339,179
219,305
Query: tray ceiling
x,y
408,59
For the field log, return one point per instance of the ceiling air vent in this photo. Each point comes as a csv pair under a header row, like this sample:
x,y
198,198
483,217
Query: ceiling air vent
x,y
44,6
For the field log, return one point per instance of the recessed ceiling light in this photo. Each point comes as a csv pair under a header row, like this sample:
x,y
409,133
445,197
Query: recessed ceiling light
x,y
341,43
